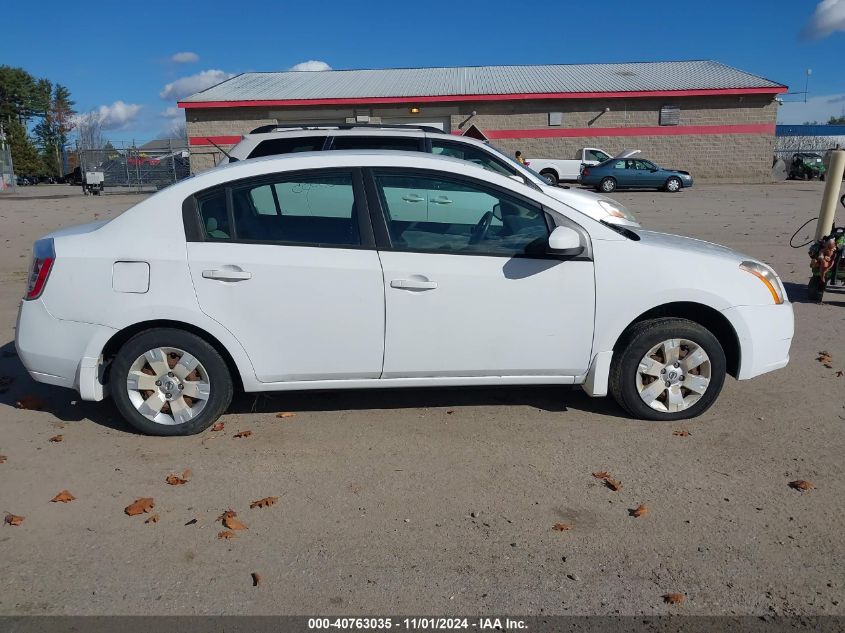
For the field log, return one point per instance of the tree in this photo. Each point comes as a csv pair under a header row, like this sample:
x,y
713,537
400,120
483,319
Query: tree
x,y
54,127
89,131
22,96
836,120
25,156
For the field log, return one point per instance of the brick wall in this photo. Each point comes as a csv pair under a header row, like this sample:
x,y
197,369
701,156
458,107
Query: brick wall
x,y
724,157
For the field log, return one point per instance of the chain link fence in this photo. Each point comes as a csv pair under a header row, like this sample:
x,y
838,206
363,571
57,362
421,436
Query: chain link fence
x,y
142,168
7,173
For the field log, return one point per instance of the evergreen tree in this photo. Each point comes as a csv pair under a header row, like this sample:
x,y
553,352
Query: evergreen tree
x,y
25,156
54,127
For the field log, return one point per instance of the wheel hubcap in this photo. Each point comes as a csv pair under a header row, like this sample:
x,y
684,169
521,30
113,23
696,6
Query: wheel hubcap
x,y
673,375
608,186
168,386
673,185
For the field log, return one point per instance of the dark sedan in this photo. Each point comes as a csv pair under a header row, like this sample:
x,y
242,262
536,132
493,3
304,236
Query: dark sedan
x,y
620,173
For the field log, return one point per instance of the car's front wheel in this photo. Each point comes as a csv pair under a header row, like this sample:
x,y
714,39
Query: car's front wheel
x,y
607,185
667,369
166,381
673,185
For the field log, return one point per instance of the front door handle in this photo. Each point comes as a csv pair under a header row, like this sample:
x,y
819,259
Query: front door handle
x,y
227,275
413,284
412,198
441,200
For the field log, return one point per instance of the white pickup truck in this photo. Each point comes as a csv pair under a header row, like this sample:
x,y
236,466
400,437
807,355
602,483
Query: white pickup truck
x,y
559,170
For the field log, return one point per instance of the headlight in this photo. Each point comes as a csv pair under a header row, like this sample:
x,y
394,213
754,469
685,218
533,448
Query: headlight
x,y
617,210
767,276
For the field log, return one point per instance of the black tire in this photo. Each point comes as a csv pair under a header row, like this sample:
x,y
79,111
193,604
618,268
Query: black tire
x,y
636,343
607,185
219,378
550,176
675,181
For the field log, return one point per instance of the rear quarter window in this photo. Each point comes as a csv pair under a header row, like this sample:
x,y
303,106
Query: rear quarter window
x,y
274,146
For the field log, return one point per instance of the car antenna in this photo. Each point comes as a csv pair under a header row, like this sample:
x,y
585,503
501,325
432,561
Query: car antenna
x,y
231,158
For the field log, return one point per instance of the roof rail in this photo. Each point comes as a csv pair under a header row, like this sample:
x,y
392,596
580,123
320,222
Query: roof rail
x,y
342,126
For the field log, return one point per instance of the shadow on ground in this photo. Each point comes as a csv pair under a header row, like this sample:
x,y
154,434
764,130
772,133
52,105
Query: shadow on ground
x,y
66,405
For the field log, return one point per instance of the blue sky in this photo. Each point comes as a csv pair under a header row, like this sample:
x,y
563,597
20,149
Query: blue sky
x,y
117,57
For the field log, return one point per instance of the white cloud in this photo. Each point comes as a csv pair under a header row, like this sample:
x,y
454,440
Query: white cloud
x,y
311,64
116,116
171,113
186,57
191,84
816,109
828,18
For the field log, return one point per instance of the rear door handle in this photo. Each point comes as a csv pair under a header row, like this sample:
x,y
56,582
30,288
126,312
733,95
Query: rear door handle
x,y
412,198
413,284
227,275
441,200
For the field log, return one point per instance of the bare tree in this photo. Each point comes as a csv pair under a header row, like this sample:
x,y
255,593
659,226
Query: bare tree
x,y
178,131
89,131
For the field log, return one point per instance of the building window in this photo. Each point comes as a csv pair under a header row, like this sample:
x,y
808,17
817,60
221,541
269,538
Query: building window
x,y
555,118
670,115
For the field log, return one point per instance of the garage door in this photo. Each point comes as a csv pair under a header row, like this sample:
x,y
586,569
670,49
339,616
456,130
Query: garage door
x,y
441,123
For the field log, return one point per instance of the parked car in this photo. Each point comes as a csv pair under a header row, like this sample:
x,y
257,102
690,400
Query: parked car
x,y
806,166
271,140
557,171
339,270
621,173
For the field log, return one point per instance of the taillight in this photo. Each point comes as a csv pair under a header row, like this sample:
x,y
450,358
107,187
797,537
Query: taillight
x,y
43,256
585,172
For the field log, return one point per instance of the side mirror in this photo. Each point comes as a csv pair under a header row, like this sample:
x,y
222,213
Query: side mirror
x,y
565,241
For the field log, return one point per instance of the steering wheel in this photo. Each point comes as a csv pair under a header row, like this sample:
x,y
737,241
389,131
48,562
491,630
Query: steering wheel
x,y
480,230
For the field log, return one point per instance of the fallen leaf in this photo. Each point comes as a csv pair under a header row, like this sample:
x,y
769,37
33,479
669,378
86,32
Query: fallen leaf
x,y
611,483
226,534
640,511
829,365
286,414
242,434
601,474
682,433
562,527
13,519
801,484
263,503
218,427
176,480
256,578
228,514
56,438
673,598
139,506
450,412
233,524
840,373
153,519
191,522
32,403
2,458
187,474
64,497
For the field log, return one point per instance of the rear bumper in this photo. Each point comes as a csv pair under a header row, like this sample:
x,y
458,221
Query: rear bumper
x,y
765,335
61,353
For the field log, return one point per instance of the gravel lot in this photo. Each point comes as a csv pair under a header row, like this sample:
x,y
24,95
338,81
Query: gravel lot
x,y
441,501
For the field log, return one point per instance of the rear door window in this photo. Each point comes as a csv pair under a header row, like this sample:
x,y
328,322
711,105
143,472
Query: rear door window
x,y
406,144
273,146
471,154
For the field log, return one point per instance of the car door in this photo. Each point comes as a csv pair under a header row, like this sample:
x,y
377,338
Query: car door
x,y
648,174
288,265
477,295
623,171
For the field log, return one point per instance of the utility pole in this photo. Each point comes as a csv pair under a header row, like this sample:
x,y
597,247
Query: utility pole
x,y
807,83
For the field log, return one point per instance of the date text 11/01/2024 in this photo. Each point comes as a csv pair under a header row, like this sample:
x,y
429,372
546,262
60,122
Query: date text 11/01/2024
x,y
423,623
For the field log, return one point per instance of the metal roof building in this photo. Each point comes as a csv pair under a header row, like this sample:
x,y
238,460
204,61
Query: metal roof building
x,y
547,111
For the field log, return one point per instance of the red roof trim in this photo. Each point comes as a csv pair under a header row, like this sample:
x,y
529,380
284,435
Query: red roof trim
x,y
672,130
485,97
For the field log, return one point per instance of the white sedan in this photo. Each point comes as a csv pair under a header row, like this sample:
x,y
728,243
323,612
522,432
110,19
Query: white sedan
x,y
350,270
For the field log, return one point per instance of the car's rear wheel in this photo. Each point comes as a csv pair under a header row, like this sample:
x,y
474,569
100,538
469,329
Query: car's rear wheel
x,y
673,185
550,176
166,381
607,184
667,369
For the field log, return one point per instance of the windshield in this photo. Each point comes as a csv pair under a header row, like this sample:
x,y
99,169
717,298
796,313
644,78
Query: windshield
x,y
519,169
